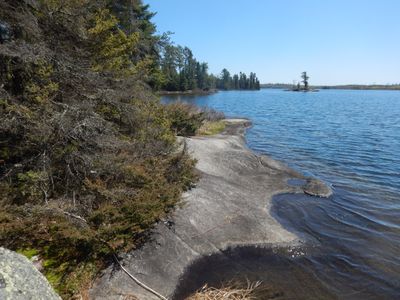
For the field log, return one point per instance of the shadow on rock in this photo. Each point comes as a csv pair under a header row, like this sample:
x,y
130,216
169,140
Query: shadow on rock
x,y
279,269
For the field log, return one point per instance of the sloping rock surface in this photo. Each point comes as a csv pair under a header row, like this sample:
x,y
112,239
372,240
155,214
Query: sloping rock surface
x,y
229,207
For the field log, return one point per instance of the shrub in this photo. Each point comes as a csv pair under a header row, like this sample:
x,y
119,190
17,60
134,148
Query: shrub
x,y
88,159
40,88
113,48
185,119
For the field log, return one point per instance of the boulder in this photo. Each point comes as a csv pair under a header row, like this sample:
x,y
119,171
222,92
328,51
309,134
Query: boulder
x,y
20,280
317,188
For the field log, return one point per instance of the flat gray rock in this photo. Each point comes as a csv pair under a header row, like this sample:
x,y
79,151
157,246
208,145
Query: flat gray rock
x,y
229,207
20,280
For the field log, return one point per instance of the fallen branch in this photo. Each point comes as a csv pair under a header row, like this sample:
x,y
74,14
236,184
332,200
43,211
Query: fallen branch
x,y
74,216
138,281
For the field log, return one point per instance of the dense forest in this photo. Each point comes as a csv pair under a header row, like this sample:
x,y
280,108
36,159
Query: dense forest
x,y
89,159
237,82
182,72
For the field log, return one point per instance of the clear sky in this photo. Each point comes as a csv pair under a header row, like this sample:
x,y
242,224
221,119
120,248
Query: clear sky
x,y
335,41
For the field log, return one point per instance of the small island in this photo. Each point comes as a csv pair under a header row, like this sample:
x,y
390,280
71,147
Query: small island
x,y
302,88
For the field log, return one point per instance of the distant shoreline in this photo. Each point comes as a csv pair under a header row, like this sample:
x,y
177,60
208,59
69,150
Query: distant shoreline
x,y
187,93
357,87
336,87
197,92
302,91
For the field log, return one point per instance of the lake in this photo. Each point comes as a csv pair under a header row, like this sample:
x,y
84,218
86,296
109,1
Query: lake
x,y
350,140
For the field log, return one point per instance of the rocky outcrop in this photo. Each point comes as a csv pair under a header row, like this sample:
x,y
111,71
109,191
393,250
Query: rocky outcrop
x,y
20,280
230,207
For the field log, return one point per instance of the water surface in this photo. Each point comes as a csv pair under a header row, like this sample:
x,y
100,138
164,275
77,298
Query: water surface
x,y
351,140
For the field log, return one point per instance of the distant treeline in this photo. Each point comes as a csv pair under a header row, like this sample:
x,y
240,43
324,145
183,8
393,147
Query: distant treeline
x,y
237,82
363,87
276,86
180,71
338,87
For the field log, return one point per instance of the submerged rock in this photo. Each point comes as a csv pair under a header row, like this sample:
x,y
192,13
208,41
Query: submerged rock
x,y
315,187
20,280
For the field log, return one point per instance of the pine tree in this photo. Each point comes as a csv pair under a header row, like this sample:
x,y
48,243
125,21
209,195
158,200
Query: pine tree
x,y
190,69
236,82
226,79
305,80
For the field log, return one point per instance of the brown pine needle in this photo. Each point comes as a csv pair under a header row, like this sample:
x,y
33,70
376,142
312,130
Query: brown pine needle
x,y
226,293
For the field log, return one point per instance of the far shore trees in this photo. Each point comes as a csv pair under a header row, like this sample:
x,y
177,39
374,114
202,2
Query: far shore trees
x,y
182,72
237,82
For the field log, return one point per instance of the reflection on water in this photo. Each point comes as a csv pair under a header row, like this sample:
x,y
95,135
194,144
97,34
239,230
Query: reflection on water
x,y
350,139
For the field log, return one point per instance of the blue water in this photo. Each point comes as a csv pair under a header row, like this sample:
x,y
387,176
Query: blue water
x,y
351,140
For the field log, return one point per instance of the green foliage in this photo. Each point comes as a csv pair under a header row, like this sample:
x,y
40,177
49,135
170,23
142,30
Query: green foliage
x,y
113,47
237,82
62,5
88,160
155,123
109,111
31,79
28,252
41,88
134,185
30,186
182,72
185,119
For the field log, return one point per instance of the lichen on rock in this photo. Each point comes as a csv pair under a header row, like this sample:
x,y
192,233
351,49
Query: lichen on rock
x,y
20,280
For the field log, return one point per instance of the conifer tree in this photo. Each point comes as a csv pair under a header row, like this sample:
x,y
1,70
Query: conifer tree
x,y
305,80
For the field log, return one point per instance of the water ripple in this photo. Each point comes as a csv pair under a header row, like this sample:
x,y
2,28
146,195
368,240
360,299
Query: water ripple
x,y
350,139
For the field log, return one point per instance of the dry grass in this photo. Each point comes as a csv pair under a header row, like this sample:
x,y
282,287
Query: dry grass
x,y
226,293
211,127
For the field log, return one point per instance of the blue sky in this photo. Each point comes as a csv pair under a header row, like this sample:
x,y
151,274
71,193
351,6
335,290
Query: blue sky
x,y
335,41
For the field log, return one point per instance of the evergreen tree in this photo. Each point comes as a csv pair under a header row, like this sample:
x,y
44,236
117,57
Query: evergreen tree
x,y
305,80
169,66
201,75
190,69
135,17
226,80
236,82
181,71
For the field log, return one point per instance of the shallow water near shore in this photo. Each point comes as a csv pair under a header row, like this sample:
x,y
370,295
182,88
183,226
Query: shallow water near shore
x,y
351,140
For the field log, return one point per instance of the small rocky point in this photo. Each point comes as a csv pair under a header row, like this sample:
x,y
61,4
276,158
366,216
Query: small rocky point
x,y
317,188
20,280
230,207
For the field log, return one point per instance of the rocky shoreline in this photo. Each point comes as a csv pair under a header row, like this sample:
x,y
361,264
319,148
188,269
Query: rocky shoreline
x,y
230,207
196,92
